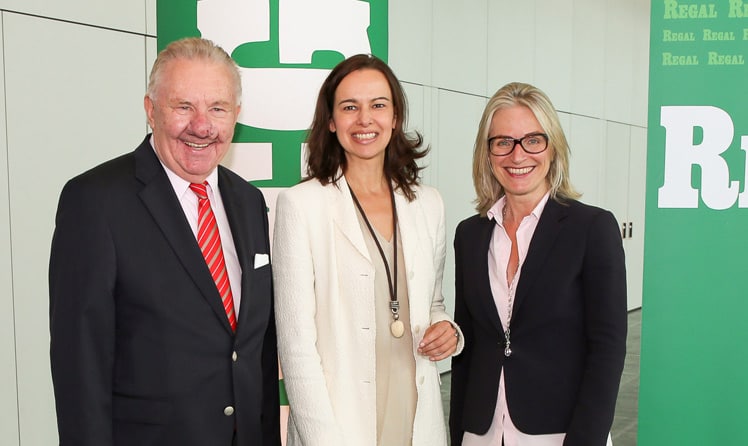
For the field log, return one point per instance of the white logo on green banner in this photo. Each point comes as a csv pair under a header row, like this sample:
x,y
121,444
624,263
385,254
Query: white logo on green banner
x,y
693,389
285,49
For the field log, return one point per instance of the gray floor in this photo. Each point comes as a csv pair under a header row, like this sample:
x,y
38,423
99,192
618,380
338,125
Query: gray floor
x,y
624,423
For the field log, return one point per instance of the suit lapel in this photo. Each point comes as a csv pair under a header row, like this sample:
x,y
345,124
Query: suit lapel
x,y
158,197
483,234
345,216
243,229
414,254
406,220
548,228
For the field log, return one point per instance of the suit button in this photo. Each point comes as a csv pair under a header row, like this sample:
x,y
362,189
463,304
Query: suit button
x,y
228,411
234,356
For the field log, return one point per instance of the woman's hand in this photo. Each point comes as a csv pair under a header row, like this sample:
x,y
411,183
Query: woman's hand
x,y
439,341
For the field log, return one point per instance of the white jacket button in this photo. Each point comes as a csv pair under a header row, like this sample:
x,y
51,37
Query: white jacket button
x,y
228,411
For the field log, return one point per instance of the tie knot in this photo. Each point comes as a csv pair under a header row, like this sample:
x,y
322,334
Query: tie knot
x,y
200,190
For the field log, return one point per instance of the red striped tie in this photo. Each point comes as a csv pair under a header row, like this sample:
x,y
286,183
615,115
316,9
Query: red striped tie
x,y
210,244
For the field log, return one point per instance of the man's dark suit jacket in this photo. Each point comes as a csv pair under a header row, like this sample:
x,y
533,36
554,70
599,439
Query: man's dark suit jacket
x,y
142,352
568,328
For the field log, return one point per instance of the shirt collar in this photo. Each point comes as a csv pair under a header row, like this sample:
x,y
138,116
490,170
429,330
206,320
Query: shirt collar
x,y
180,185
495,213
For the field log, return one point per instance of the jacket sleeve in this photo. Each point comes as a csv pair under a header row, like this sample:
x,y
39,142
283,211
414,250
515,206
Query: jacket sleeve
x,y
604,288
294,278
459,363
82,325
438,310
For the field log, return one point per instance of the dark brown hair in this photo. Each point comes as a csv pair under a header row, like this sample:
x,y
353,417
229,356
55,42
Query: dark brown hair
x,y
325,154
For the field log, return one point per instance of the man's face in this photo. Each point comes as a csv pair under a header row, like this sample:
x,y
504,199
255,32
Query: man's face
x,y
192,113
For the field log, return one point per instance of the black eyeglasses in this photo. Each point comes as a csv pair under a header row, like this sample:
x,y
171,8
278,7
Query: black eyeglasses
x,y
533,143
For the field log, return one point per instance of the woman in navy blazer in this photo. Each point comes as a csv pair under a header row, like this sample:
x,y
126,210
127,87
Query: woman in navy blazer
x,y
540,290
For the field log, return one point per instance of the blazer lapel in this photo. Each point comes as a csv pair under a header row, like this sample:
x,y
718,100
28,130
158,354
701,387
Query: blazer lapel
x,y
549,225
480,263
158,197
345,216
242,231
406,220
414,253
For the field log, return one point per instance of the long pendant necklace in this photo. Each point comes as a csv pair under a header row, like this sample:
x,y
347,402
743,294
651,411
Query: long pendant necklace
x,y
396,327
510,303
510,300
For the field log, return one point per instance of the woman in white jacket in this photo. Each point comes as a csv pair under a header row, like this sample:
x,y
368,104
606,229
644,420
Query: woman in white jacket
x,y
359,251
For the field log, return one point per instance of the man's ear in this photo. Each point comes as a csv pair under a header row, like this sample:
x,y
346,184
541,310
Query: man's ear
x,y
148,105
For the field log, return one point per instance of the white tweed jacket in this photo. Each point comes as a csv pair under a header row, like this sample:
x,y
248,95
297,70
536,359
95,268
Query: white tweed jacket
x,y
324,283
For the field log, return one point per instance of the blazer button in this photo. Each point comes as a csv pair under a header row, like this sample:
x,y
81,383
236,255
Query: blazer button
x,y
228,411
234,356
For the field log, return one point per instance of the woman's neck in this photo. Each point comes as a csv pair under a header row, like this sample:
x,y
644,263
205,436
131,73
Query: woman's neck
x,y
365,180
518,207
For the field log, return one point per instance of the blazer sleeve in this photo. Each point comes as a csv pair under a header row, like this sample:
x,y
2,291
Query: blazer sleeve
x,y
604,288
438,309
459,364
82,323
309,398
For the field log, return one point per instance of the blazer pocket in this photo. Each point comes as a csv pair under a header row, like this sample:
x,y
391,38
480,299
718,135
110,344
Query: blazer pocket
x,y
140,410
261,273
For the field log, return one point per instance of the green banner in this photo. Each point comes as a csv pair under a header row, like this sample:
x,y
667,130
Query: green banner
x,y
693,388
284,49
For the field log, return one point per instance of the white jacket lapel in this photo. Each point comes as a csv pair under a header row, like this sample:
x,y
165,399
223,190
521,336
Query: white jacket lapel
x,y
345,216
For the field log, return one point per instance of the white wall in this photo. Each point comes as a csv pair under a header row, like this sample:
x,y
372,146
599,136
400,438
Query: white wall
x,y
589,56
74,74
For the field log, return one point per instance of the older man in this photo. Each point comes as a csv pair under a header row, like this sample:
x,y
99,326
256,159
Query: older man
x,y
161,313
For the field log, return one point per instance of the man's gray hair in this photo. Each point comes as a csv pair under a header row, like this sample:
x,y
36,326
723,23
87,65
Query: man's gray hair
x,y
193,48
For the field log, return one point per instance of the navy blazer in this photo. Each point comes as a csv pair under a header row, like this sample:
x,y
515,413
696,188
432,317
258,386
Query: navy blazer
x,y
568,328
141,349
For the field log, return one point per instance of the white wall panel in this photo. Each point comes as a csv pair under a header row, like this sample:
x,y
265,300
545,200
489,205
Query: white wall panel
x,y
587,62
637,191
553,50
615,181
510,52
618,61
78,105
419,120
459,45
410,43
127,15
640,64
9,400
150,17
587,153
151,52
458,117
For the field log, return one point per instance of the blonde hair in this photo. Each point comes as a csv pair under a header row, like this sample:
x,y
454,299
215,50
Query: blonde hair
x,y
487,187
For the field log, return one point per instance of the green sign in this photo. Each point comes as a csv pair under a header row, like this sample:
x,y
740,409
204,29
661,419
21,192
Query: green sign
x,y
284,49
693,388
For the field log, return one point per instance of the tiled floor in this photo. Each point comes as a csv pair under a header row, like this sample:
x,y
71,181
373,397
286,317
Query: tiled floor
x,y
624,423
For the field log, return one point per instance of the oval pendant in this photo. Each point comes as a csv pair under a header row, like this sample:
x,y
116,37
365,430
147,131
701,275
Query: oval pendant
x,y
507,352
397,328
